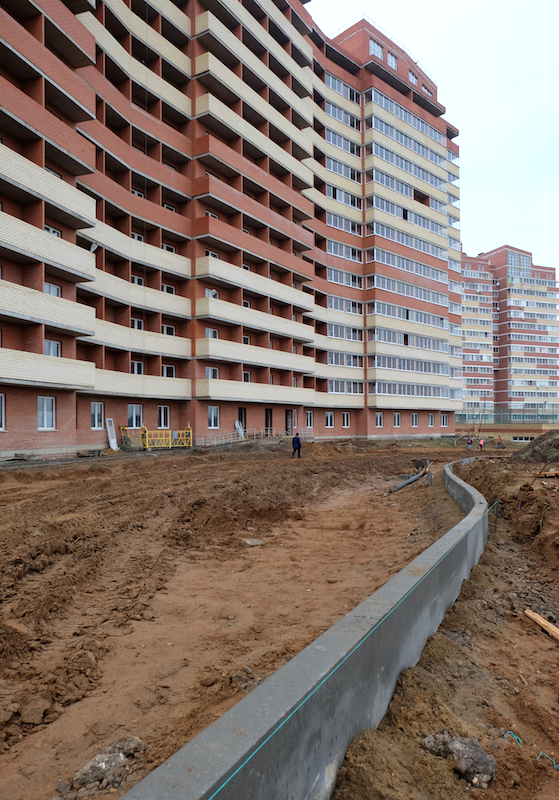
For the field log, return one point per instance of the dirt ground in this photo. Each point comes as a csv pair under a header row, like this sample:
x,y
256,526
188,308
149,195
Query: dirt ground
x,y
489,669
131,606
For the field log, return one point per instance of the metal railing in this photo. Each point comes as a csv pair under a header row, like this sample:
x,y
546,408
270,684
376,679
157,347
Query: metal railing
x,y
165,439
229,437
510,417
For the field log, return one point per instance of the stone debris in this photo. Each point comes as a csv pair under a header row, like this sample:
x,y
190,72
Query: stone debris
x,y
471,761
251,542
99,767
106,772
32,711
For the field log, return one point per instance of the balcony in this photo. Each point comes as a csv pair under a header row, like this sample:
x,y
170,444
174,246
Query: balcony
x,y
123,384
131,294
24,242
33,369
28,305
122,338
223,350
221,310
240,391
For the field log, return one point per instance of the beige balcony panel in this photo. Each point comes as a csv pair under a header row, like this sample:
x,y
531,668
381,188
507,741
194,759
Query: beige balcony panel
x,y
145,33
18,237
378,163
355,162
22,303
405,152
338,317
218,269
253,392
413,230
239,315
404,351
76,208
169,10
343,183
140,252
207,104
405,326
328,204
112,335
140,296
327,400
403,376
389,402
386,116
224,350
335,98
138,72
339,373
33,369
141,386
340,345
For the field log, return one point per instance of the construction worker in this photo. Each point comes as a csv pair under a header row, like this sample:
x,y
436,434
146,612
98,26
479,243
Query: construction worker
x,y
481,444
296,445
470,442
499,442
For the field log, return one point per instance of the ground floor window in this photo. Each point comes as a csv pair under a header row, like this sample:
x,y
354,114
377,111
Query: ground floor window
x,y
346,420
213,416
46,413
329,419
97,416
397,419
415,420
444,420
379,419
2,412
431,420
135,415
310,422
163,416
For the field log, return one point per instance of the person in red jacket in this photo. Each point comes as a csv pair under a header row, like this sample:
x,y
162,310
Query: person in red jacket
x,y
481,444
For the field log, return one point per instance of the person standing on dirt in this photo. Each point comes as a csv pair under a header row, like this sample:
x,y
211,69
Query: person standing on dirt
x,y
470,442
499,442
296,445
481,443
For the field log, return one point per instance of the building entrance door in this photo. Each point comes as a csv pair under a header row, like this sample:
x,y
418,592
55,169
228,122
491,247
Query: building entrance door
x,y
268,421
288,421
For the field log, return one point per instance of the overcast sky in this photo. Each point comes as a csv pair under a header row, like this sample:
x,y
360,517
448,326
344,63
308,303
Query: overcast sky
x,y
495,64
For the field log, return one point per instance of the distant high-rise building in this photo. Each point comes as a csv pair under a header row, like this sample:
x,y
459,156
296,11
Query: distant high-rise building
x,y
212,213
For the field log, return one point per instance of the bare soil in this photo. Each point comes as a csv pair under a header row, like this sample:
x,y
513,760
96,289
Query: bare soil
x,y
489,669
130,604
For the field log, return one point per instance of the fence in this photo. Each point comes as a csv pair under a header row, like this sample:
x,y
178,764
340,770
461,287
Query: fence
x,y
165,439
229,437
288,737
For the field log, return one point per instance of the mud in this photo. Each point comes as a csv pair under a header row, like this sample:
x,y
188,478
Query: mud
x,y
131,606
487,671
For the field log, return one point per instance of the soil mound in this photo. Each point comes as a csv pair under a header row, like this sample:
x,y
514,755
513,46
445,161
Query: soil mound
x,y
544,448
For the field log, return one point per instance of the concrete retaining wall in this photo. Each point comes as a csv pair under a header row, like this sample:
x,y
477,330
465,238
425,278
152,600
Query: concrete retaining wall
x,y
286,740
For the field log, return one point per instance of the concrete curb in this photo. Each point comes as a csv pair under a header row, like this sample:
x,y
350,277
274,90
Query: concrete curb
x,y
287,739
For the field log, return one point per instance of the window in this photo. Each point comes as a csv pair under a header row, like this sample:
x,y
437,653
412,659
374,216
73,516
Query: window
x,y
329,419
211,293
53,231
246,339
246,303
52,348
212,333
444,420
163,417
415,420
213,416
392,61
168,330
213,255
169,247
137,280
294,382
137,192
431,422
397,419
135,415
166,287
137,324
375,49
2,412
97,416
310,420
247,267
211,214
53,289
169,207
378,419
246,376
46,413
212,372
168,371
412,78
346,419
138,237
137,367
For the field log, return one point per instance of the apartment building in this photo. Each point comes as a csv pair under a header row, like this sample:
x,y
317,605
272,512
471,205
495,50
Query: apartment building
x,y
479,322
210,214
526,304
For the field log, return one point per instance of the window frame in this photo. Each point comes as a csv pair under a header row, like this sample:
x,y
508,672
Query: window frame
x,y
212,333
133,414
2,412
137,367
213,418
444,420
431,420
329,419
212,373
50,343
310,419
346,419
162,413
44,412
247,378
379,419
168,371
397,419
95,416
415,419
57,293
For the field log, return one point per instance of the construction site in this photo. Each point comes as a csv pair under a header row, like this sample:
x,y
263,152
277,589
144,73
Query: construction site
x,y
145,595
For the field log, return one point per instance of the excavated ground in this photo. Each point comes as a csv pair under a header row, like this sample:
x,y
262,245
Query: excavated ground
x,y
489,669
130,605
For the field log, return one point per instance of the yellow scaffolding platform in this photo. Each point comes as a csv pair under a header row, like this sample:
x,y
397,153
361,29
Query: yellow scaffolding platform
x,y
165,439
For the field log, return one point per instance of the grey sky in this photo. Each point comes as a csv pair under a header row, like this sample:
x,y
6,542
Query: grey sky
x,y
494,63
